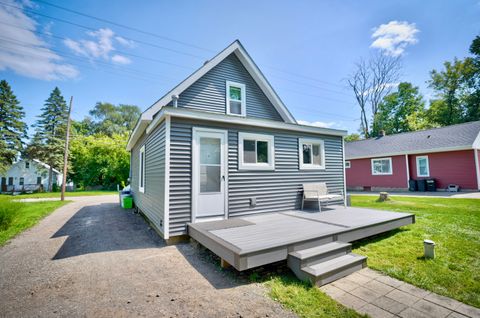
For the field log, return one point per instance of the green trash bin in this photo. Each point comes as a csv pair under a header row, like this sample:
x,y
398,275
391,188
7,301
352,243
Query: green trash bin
x,y
127,202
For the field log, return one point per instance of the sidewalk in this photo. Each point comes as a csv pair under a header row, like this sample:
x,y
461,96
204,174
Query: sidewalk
x,y
370,292
439,194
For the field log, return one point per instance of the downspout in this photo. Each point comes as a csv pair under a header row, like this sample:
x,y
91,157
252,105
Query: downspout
x,y
477,167
344,174
408,171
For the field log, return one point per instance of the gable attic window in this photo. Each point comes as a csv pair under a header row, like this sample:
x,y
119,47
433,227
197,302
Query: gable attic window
x,y
382,166
27,165
255,152
235,99
141,172
347,164
311,153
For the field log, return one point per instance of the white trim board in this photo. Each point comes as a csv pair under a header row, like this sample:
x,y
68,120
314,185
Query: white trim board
x,y
166,199
215,117
415,152
477,166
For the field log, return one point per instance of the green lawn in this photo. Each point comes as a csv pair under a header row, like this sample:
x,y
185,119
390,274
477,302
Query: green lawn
x,y
57,194
454,225
23,215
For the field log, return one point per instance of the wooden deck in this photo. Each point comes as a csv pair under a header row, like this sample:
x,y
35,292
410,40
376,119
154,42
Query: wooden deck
x,y
251,241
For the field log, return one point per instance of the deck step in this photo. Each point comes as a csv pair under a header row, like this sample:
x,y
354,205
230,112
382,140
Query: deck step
x,y
321,253
333,269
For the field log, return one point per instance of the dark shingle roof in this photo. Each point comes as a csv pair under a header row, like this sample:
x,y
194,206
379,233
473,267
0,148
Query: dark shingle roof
x,y
450,137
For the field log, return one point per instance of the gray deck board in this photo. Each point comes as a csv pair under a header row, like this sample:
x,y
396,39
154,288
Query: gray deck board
x,y
259,238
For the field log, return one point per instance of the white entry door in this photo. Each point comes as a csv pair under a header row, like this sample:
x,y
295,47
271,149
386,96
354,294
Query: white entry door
x,y
209,173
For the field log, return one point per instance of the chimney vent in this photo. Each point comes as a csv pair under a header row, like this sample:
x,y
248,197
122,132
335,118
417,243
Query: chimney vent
x,y
175,100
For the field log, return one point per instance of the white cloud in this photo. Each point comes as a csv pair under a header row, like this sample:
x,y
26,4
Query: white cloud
x,y
120,59
317,123
25,53
101,46
394,37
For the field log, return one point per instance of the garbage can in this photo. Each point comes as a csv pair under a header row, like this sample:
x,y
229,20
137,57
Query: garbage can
x,y
412,185
429,249
431,185
422,185
127,202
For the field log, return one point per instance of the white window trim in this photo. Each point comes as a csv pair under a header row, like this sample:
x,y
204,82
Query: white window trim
x,y
309,141
417,159
256,166
243,101
348,164
140,172
379,173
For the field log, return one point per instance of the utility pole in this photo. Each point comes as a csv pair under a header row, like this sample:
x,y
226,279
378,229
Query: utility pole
x,y
65,154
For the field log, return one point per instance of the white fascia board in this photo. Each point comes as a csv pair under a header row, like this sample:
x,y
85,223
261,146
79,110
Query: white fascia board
x,y
137,132
476,143
235,120
401,153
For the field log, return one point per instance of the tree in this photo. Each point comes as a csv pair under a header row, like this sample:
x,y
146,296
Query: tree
x,y
109,119
457,89
12,127
401,111
352,137
99,160
48,141
371,81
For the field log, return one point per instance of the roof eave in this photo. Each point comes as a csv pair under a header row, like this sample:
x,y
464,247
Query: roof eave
x,y
413,152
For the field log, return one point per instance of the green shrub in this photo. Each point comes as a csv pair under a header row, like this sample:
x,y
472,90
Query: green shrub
x,y
8,211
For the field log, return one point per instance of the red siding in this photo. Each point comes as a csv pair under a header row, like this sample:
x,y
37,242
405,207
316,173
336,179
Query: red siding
x,y
457,167
360,174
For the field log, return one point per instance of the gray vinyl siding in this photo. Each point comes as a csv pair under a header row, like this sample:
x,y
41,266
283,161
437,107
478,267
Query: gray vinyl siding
x,y
209,92
275,191
152,201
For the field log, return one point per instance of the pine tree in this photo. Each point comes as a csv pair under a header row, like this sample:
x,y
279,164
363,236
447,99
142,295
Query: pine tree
x,y
48,141
12,127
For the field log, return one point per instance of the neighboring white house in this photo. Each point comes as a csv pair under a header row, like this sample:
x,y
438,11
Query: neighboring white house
x,y
28,175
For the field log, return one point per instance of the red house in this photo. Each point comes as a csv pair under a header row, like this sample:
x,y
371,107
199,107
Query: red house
x,y
449,155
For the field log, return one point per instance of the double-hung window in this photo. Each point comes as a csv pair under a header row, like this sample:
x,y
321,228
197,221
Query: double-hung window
x,y
236,99
141,170
27,165
22,181
423,169
311,153
382,166
255,152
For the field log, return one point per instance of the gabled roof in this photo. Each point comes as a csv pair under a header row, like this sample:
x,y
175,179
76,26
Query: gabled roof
x,y
237,48
456,137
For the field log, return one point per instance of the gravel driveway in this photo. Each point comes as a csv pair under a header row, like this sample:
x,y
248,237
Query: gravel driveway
x,y
91,258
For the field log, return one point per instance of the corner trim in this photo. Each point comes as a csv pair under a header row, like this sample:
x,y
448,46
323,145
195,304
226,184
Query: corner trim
x,y
166,200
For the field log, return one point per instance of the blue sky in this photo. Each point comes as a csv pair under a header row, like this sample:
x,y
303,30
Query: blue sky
x,y
306,49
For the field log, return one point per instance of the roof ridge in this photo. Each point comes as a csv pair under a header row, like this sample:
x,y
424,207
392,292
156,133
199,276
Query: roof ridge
x,y
416,131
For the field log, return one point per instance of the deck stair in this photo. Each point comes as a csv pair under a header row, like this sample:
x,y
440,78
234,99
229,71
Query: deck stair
x,y
325,263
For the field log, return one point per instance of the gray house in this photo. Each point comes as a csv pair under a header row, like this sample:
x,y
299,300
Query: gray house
x,y
222,144
221,158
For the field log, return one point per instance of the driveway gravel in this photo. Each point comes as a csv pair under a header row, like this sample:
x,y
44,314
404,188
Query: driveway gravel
x,y
90,258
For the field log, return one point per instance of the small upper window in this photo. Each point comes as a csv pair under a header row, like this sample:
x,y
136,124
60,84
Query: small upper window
x,y
256,152
141,172
27,165
423,169
235,99
347,164
22,181
382,166
312,153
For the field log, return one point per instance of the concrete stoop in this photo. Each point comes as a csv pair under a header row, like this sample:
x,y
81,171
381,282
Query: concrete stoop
x,y
325,263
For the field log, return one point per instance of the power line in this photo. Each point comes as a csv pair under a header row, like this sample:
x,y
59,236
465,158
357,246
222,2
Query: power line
x,y
124,26
310,85
304,76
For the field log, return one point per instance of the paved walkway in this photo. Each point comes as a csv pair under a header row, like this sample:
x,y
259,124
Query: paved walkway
x,y
378,295
92,259
438,194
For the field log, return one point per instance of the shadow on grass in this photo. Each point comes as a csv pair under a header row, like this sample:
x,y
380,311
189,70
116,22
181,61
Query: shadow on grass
x,y
378,237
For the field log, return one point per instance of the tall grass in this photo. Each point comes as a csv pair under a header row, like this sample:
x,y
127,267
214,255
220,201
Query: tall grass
x,y
8,213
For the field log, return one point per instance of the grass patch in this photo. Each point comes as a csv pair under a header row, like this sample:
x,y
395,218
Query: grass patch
x,y
16,217
454,225
304,299
57,194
